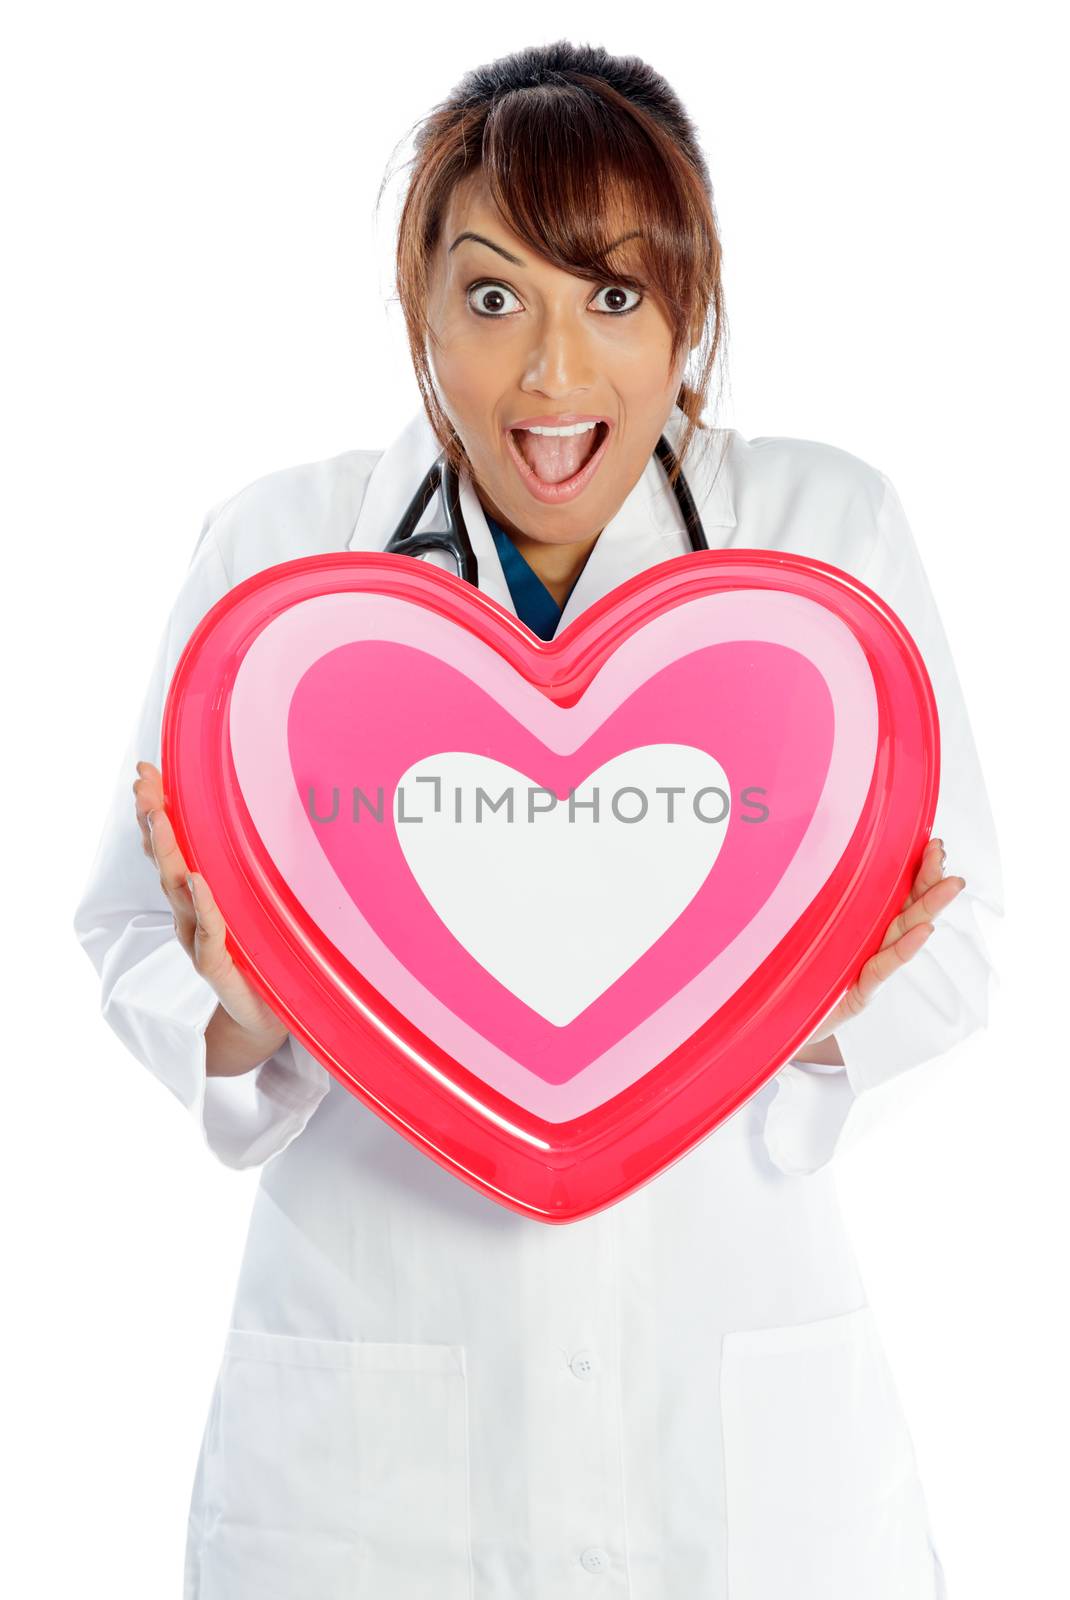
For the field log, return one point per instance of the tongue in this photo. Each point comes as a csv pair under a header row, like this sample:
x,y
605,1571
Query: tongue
x,y
554,458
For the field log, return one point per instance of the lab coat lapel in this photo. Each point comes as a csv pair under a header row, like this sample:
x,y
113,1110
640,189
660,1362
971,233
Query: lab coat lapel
x,y
394,481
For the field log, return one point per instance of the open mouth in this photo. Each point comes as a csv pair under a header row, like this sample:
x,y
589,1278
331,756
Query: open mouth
x,y
556,467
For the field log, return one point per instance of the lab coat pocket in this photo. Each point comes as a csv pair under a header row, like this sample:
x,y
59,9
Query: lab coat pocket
x,y
336,1468
822,1491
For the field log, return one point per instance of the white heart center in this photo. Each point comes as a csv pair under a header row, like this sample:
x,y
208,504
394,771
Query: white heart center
x,y
554,899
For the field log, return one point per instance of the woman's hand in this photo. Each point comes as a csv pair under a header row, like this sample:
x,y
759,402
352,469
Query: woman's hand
x,y
931,894
248,1031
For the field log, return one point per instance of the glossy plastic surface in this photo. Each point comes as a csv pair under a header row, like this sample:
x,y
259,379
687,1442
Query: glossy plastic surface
x,y
554,910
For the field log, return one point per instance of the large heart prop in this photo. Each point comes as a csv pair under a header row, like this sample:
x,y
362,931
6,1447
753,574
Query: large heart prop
x,y
557,910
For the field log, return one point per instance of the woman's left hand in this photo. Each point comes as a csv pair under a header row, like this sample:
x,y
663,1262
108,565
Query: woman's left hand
x,y
906,934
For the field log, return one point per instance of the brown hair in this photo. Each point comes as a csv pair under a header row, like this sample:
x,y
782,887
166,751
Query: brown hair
x,y
529,123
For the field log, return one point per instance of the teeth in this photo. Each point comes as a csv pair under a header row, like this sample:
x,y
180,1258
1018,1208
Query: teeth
x,y
563,433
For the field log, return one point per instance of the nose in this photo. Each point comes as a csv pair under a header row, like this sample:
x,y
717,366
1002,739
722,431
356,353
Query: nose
x,y
559,363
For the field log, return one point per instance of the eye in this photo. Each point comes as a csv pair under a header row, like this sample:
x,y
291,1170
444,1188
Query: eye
x,y
488,297
618,289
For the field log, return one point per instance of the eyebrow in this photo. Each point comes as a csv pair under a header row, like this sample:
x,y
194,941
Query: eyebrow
x,y
478,238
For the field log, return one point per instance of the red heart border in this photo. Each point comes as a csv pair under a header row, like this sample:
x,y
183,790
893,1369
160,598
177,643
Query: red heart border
x,y
551,1172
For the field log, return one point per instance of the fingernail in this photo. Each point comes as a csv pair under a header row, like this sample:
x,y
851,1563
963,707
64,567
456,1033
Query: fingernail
x,y
151,819
189,884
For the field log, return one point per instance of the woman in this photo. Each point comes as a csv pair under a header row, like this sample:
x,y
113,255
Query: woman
x,y
423,1393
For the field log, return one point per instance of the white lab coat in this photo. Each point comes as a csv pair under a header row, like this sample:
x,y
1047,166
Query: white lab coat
x,y
425,1396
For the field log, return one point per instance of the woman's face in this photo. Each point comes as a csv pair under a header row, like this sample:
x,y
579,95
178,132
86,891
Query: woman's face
x,y
515,340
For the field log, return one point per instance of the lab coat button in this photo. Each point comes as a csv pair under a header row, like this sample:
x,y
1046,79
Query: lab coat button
x,y
594,1559
582,1364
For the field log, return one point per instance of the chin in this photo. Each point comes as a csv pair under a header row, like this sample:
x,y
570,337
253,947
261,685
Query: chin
x,y
555,527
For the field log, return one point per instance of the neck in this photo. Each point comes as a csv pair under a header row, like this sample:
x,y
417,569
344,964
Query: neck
x,y
556,565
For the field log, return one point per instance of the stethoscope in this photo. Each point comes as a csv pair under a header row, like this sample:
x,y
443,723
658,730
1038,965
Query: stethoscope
x,y
454,540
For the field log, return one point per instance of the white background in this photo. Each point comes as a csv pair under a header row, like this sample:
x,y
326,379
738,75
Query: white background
x,y
195,294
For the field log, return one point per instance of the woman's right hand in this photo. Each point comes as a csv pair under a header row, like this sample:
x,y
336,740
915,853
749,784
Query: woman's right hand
x,y
201,931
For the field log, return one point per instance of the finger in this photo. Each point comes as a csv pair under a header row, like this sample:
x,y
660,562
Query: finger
x,y
924,909
932,867
930,871
147,773
211,956
172,867
882,966
148,796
